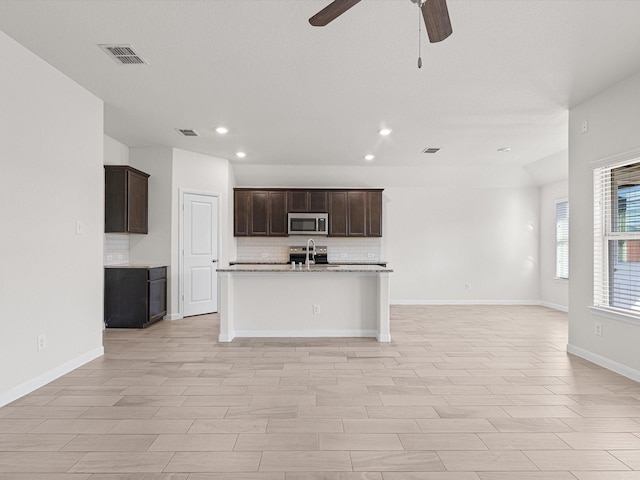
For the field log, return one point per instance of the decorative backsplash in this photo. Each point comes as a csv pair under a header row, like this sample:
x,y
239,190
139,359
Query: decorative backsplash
x,y
116,249
276,249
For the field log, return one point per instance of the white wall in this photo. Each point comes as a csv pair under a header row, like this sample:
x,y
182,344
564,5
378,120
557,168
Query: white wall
x,y
51,154
554,292
614,122
154,248
440,239
115,153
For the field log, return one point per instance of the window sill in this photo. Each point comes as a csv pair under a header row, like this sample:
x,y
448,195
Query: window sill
x,y
561,280
621,316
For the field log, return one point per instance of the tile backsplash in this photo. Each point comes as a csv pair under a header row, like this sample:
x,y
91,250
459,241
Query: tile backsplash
x,y
116,249
276,249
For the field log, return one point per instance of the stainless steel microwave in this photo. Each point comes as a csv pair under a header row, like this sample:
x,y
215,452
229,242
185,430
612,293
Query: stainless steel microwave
x,y
308,223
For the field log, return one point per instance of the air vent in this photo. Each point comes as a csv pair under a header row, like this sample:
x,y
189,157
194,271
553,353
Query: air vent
x,y
124,54
187,132
431,150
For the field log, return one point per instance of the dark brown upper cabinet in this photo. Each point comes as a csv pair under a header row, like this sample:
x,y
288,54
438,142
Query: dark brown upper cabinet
x,y
259,213
318,201
356,213
338,219
240,213
278,214
126,200
307,201
298,201
263,211
374,213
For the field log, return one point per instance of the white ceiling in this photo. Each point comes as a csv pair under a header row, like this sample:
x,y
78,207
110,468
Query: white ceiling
x,y
292,94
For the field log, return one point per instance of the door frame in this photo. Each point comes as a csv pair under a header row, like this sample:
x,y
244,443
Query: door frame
x,y
182,193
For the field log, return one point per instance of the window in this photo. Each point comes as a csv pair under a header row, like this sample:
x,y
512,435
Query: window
x,y
617,237
562,239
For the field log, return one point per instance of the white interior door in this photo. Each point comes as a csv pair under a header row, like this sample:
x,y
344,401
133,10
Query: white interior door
x,y
200,254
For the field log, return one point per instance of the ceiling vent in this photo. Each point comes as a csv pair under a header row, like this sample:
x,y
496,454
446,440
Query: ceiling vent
x,y
431,150
124,54
186,132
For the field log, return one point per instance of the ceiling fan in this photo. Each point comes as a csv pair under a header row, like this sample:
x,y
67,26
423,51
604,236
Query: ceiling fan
x,y
434,12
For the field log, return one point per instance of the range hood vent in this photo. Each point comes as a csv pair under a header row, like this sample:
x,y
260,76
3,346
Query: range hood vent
x,y
124,54
186,132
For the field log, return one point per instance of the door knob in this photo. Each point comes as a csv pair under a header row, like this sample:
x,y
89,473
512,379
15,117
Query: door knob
x,y
214,261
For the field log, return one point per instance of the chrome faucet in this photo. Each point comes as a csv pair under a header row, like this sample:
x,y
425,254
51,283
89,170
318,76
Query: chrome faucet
x,y
309,242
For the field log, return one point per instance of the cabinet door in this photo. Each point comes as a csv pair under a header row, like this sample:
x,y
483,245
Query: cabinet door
x,y
357,213
157,299
374,214
278,213
298,201
137,197
337,214
318,201
240,213
258,212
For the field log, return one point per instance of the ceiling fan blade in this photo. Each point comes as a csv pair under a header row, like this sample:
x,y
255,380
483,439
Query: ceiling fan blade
x,y
331,12
436,19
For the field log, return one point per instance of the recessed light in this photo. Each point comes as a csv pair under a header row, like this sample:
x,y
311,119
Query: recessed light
x,y
369,157
384,131
504,149
241,154
222,130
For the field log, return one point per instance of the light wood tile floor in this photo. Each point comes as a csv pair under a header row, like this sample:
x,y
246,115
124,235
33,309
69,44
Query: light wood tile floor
x,y
462,393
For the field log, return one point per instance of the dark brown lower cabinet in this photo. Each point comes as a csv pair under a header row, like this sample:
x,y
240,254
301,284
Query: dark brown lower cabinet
x,y
134,297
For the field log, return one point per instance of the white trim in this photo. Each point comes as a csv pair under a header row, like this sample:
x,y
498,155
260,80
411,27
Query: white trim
x,y
384,338
305,333
47,377
225,338
181,193
607,363
615,315
465,302
616,160
173,316
555,306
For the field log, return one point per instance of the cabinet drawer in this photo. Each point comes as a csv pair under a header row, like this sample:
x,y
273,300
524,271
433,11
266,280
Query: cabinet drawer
x,y
157,273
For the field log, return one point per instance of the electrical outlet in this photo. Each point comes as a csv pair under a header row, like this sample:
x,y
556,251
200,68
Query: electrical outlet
x,y
371,255
265,255
467,286
584,128
79,227
597,328
109,258
343,255
42,342
316,309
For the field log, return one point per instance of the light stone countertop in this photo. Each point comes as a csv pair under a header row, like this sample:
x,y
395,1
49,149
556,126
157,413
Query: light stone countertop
x,y
331,268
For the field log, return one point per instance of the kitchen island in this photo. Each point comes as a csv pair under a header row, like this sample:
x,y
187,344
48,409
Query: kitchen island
x,y
323,301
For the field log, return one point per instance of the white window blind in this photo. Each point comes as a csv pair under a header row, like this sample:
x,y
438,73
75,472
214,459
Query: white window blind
x,y
617,237
562,240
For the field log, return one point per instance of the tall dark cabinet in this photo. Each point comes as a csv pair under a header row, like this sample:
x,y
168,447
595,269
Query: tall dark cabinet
x,y
126,199
134,297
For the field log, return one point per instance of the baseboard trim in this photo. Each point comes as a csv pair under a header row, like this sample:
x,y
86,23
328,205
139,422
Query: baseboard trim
x,y
172,316
555,306
47,377
604,362
465,302
305,333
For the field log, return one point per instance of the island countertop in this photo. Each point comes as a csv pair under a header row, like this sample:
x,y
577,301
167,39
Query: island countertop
x,y
279,268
